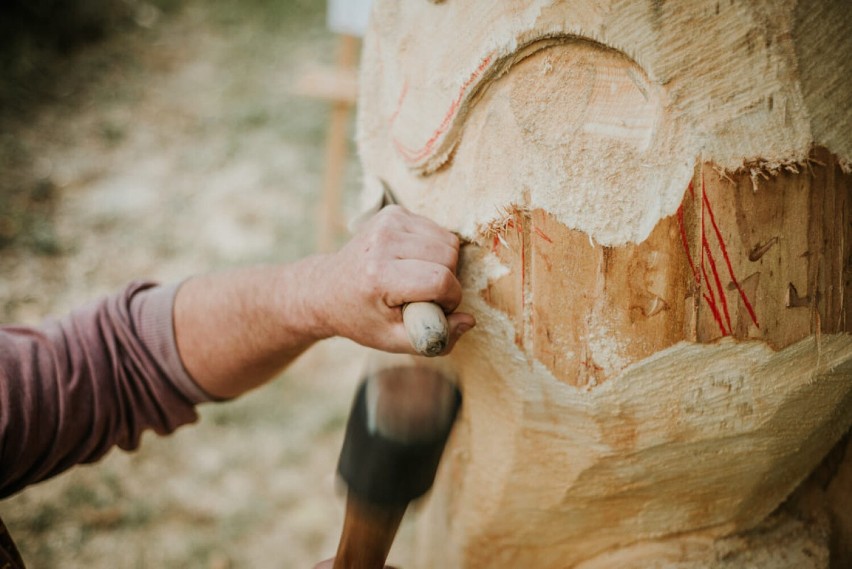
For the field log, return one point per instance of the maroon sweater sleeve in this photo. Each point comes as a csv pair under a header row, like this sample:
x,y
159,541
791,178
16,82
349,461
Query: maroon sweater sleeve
x,y
71,389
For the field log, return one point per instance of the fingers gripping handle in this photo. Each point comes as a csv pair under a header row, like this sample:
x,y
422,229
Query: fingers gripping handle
x,y
427,327
425,322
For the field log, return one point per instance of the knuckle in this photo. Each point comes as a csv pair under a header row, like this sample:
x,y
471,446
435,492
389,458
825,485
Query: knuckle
x,y
382,235
444,280
375,246
450,259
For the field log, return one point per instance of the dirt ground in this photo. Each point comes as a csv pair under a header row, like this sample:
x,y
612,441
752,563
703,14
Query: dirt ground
x,y
174,146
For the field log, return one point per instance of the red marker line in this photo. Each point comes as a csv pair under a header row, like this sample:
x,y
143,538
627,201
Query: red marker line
x,y
711,302
523,263
417,155
722,316
702,237
402,94
728,260
541,234
722,298
709,296
716,315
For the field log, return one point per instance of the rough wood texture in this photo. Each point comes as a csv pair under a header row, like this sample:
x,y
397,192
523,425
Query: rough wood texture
x,y
767,263
660,197
597,109
591,291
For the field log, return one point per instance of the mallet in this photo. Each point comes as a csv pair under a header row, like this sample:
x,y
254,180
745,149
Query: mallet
x,y
399,424
400,421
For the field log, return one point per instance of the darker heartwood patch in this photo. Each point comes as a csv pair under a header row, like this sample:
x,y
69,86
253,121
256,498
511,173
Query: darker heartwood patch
x,y
721,266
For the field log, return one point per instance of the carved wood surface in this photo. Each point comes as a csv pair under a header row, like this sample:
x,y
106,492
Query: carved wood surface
x,y
659,197
765,261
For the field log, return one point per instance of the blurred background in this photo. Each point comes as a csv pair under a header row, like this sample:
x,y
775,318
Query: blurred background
x,y
157,139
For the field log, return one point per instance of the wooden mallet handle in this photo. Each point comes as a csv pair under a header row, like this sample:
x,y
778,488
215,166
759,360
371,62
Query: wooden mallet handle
x,y
368,533
427,327
400,421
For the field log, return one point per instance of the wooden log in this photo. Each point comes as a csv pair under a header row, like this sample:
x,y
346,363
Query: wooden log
x,y
658,194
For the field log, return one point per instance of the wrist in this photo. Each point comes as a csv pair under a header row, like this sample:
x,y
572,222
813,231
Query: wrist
x,y
302,300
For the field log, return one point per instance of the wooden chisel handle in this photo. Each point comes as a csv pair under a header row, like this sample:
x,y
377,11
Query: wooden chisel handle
x,y
425,322
427,327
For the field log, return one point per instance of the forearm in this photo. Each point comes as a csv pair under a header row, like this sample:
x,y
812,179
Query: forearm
x,y
238,329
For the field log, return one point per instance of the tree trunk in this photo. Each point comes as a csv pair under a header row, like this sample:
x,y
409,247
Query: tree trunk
x,y
657,197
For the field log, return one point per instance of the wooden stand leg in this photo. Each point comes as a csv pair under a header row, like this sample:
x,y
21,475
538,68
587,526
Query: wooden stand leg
x,y
330,216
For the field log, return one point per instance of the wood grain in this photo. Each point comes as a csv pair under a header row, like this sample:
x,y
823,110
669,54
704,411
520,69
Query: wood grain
x,y
769,264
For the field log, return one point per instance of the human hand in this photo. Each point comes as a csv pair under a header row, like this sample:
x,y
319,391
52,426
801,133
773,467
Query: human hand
x,y
397,257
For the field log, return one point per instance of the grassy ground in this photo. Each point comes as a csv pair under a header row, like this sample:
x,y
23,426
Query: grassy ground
x,y
169,146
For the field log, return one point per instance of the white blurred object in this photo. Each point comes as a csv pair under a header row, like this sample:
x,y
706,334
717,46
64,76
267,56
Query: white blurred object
x,y
348,17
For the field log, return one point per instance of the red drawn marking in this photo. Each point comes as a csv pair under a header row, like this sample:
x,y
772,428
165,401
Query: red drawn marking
x,y
722,316
513,223
709,290
403,93
716,316
722,298
541,234
702,235
711,302
728,259
417,155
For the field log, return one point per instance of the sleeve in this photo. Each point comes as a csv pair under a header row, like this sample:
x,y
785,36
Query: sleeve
x,y
73,388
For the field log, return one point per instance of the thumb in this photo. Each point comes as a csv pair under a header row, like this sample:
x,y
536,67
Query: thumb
x,y
459,323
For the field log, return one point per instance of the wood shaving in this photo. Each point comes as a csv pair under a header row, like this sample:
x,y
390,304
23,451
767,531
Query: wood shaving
x,y
507,218
761,168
